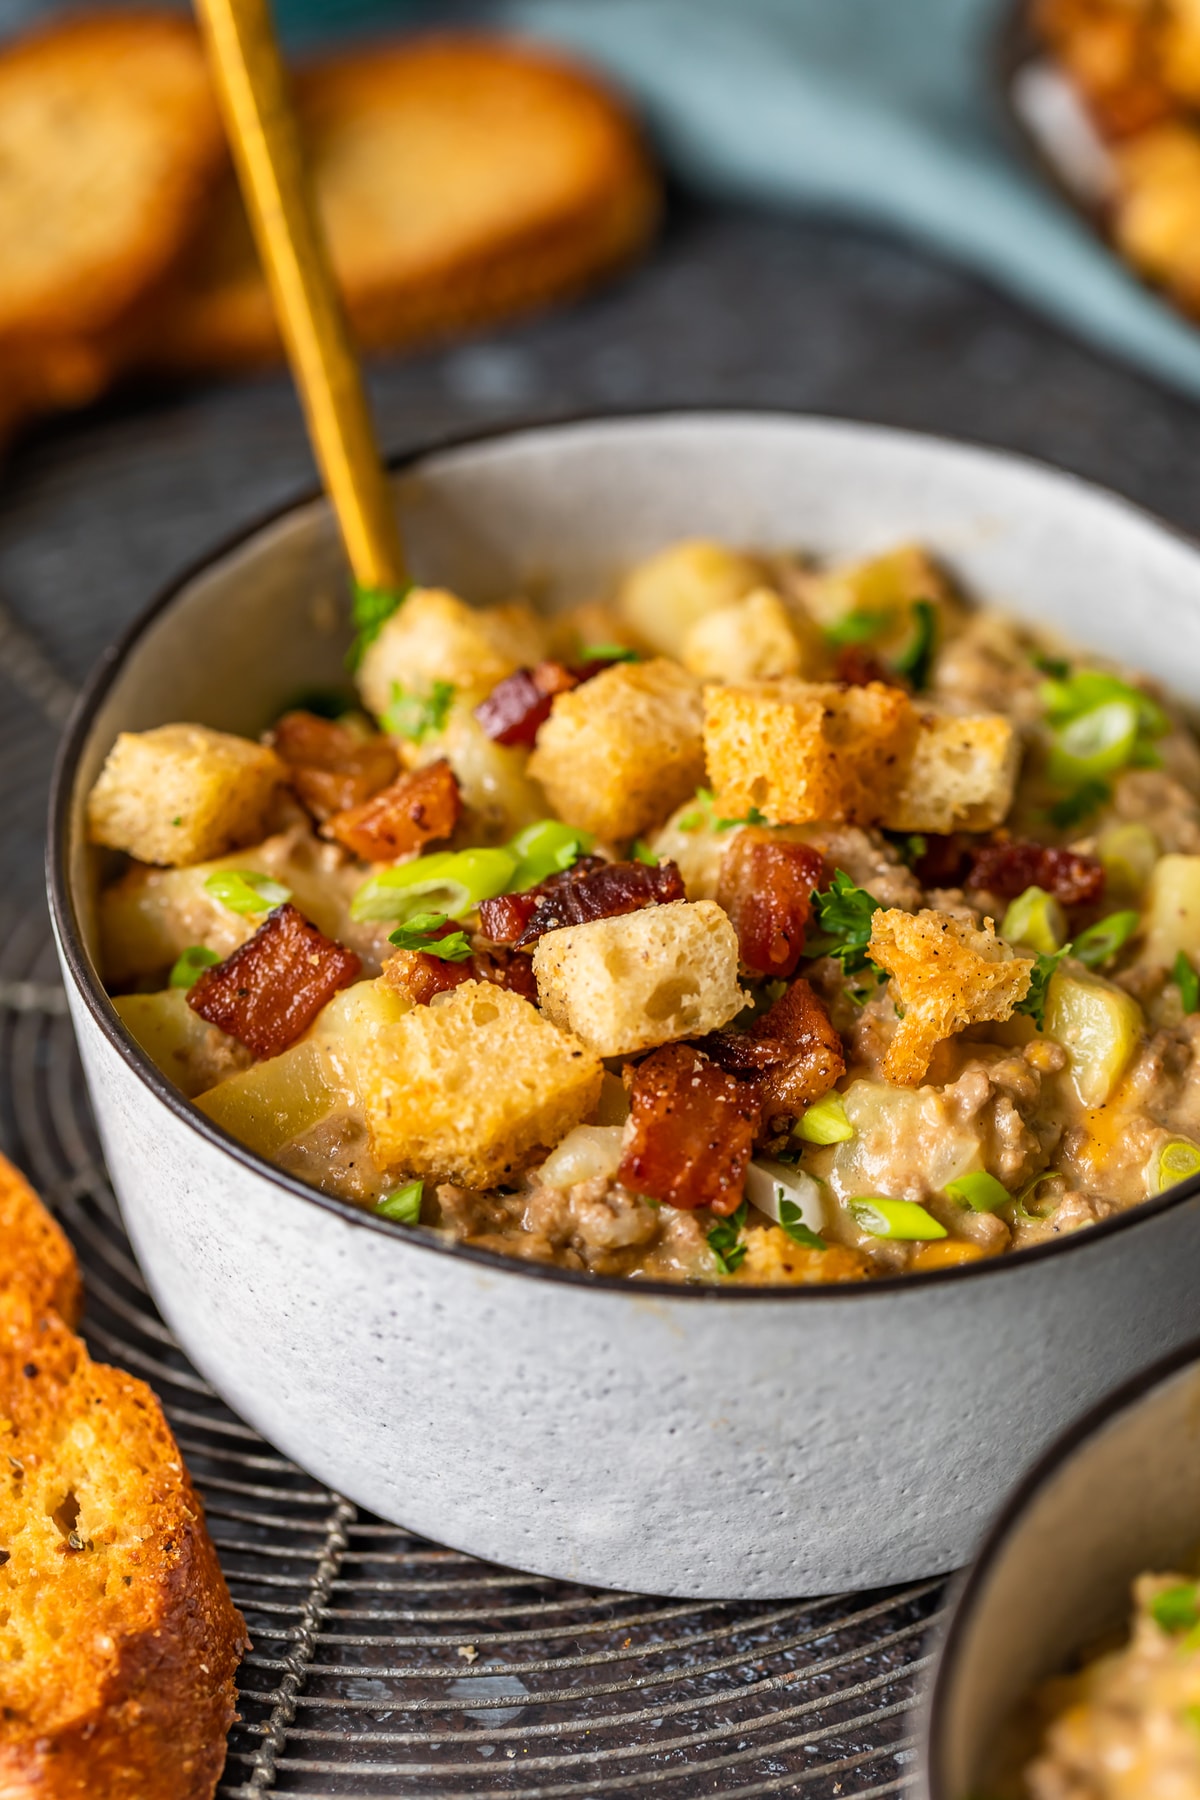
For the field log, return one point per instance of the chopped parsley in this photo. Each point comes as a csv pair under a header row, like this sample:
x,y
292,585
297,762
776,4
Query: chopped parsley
x,y
792,1221
1053,666
608,653
1034,1003
1175,1609
191,965
371,608
724,1242
915,660
845,913
644,854
703,816
1079,804
415,716
1187,981
403,1205
420,933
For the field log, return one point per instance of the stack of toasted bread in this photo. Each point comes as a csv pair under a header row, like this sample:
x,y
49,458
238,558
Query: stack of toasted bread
x,y
460,180
118,1639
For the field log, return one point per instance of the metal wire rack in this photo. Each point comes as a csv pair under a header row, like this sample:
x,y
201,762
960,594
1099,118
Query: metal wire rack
x,y
384,1665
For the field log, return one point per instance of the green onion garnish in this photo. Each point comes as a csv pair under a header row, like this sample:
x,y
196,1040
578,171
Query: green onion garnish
x,y
856,627
1035,921
792,1221
1187,981
723,1241
1100,942
546,848
980,1191
404,1205
642,853
903,1219
1028,1194
844,912
371,608
450,881
420,933
246,891
1079,805
190,965
1071,696
415,716
1176,1608
825,1122
608,653
1177,1161
1096,743
915,660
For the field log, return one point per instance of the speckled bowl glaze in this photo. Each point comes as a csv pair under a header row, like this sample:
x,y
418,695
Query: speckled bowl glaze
x,y
685,1441
1118,1495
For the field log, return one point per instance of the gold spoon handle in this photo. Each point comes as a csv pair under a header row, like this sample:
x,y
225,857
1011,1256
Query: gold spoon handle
x,y
252,90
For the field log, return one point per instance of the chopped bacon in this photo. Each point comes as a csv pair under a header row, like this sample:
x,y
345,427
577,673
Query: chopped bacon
x,y
692,1131
419,976
601,890
518,705
945,861
766,887
412,812
793,1051
1007,869
857,667
331,768
272,988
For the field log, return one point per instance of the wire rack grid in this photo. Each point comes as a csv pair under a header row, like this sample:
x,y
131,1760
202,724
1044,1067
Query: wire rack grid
x,y
384,1665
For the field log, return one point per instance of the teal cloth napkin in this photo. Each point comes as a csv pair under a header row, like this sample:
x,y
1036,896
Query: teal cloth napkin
x,y
886,111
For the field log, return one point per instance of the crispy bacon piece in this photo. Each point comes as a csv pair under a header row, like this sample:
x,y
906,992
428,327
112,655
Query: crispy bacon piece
x,y
793,1052
419,976
766,887
602,890
518,705
1007,869
272,988
693,1129
330,768
412,812
945,861
857,667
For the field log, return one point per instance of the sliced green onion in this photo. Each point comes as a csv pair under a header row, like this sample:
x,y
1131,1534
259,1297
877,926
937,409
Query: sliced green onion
x,y
903,1219
1035,921
1072,696
825,1122
421,933
546,848
1176,1608
371,609
1079,805
644,854
857,627
1029,1194
246,891
915,659
1188,982
450,881
792,1221
404,1205
981,1191
1093,744
189,966
415,716
1177,1161
608,653
1100,942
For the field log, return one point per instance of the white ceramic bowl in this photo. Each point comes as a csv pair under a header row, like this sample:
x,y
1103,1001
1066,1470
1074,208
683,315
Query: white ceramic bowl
x,y
1118,1496
687,1441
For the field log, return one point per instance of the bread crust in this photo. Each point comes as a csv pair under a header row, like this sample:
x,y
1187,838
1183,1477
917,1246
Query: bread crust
x,y
38,1261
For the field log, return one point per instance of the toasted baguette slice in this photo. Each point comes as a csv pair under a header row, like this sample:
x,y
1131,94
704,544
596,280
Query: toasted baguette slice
x,y
119,1641
460,181
109,141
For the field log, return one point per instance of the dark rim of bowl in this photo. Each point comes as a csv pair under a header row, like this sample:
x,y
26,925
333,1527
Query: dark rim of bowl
x,y
65,918
996,1538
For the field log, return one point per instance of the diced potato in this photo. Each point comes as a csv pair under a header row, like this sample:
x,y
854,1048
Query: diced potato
x,y
499,795
664,596
644,978
1129,853
1098,1025
270,1105
434,636
589,1153
190,1052
751,640
1172,910
181,794
620,751
357,1025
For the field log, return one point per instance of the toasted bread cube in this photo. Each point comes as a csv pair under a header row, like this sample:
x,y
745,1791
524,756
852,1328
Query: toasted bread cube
x,y
434,636
619,752
180,794
801,750
946,976
886,586
642,979
662,597
961,776
1156,210
589,626
751,640
472,1088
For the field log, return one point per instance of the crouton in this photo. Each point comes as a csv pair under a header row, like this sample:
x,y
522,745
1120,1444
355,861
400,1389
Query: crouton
x,y
664,596
435,637
773,1258
750,640
620,751
38,1261
644,978
1156,208
180,794
591,624
945,975
961,776
472,1087
882,589
808,750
